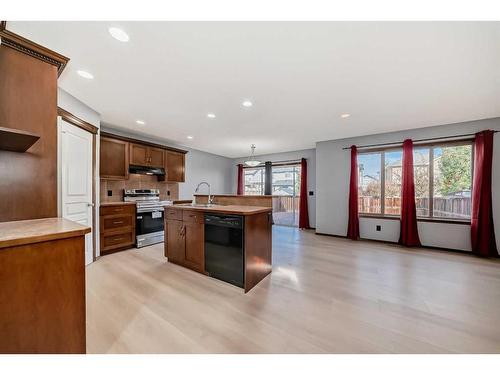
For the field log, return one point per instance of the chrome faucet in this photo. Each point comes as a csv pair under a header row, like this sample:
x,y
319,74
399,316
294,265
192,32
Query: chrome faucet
x,y
210,197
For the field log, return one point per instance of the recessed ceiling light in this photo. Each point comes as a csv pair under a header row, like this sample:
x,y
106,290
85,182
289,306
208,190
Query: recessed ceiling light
x,y
118,34
345,115
84,74
247,103
140,122
189,137
211,115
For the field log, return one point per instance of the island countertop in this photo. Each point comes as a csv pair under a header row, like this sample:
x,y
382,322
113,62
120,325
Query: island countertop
x,y
120,203
23,232
223,209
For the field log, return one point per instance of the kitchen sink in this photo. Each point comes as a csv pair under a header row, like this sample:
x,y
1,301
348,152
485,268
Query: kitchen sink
x,y
200,205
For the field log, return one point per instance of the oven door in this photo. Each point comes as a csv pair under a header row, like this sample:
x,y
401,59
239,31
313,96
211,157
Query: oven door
x,y
149,220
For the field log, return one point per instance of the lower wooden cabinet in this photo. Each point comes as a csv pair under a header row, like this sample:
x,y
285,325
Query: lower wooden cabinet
x,y
117,227
185,244
194,239
175,241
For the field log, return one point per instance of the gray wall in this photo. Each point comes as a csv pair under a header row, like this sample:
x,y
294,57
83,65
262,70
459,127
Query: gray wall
x,y
332,184
78,108
200,166
309,154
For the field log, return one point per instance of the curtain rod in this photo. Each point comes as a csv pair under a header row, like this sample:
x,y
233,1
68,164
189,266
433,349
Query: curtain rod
x,y
416,141
275,162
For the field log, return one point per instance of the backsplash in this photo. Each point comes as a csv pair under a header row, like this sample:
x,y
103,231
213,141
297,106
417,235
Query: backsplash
x,y
137,181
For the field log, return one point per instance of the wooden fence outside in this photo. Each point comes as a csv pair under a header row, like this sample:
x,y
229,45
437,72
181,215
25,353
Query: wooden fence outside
x,y
453,207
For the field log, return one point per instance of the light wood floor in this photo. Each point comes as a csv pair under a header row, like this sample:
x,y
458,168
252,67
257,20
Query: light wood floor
x,y
325,295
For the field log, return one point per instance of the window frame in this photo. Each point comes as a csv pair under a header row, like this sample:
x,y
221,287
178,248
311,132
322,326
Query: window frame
x,y
430,146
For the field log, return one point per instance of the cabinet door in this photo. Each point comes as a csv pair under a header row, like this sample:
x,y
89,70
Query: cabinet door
x,y
194,234
156,157
114,159
175,241
175,166
139,154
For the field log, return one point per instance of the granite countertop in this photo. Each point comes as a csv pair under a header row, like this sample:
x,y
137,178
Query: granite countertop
x,y
104,204
229,209
15,233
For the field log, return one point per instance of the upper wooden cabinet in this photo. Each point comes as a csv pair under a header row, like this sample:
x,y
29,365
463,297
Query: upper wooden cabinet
x,y
114,159
156,157
146,155
118,153
175,166
138,154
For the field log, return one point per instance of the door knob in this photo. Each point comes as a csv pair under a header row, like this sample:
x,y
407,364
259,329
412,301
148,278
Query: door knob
x,y
90,204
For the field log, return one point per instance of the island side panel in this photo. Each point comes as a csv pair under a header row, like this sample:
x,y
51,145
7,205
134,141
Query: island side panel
x,y
258,248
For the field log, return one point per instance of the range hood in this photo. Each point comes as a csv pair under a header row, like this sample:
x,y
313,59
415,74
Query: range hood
x,y
139,169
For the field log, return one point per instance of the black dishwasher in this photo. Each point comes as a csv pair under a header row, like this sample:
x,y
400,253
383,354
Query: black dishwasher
x,y
224,253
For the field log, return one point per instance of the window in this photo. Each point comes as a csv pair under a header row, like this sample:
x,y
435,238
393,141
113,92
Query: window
x,y
421,178
254,181
452,182
369,185
393,168
442,177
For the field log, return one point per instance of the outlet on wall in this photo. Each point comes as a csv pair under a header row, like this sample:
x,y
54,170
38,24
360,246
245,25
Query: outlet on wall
x,y
378,228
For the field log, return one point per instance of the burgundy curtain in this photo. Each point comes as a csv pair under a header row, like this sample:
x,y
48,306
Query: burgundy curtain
x,y
482,230
240,180
303,209
409,231
353,223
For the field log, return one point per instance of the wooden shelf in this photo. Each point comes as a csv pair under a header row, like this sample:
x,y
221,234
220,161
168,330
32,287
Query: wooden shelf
x,y
16,140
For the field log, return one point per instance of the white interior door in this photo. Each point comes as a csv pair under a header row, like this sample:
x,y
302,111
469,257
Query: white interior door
x,y
75,161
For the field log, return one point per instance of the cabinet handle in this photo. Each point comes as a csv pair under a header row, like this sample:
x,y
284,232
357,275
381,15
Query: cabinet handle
x,y
118,239
118,222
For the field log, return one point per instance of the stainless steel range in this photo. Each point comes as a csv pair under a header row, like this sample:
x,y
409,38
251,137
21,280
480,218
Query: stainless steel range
x,y
149,221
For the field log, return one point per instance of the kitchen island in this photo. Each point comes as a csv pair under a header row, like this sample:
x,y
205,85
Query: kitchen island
x,y
187,242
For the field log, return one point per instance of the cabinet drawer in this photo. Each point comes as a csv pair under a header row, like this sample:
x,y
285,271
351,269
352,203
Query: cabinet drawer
x,y
173,214
117,210
117,240
110,223
193,216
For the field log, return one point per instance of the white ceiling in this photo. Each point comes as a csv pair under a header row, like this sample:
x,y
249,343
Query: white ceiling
x,y
301,76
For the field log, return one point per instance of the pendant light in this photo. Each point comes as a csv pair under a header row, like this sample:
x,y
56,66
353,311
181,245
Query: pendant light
x,y
252,162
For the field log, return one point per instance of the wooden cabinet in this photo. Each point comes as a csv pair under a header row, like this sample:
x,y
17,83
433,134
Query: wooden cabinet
x,y
185,243
114,159
117,227
175,241
194,254
156,157
138,154
175,166
118,153
146,155
42,294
